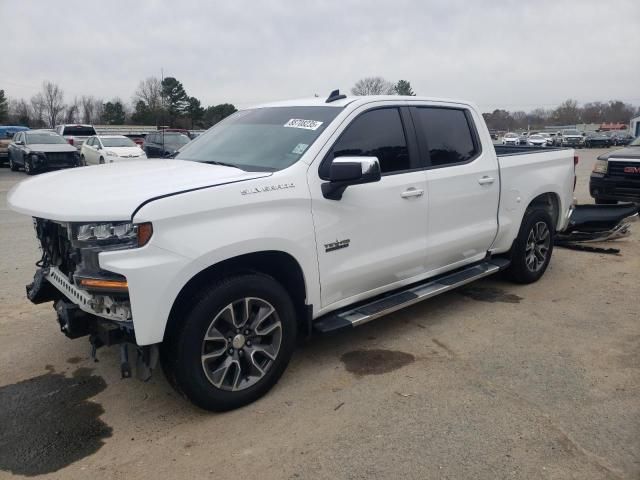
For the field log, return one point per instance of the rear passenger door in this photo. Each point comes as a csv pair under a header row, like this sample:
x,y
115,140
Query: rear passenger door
x,y
374,238
463,184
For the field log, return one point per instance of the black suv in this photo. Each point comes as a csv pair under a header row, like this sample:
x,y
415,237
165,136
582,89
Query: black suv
x,y
616,175
163,144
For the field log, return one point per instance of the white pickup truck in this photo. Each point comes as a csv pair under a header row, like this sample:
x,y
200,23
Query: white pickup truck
x,y
286,219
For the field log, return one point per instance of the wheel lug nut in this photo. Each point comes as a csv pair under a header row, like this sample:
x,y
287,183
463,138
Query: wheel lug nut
x,y
246,332
240,352
231,351
249,343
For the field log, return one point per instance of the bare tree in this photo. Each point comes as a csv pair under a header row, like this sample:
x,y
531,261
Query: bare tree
x,y
53,102
37,107
72,114
150,92
19,112
87,104
373,86
98,109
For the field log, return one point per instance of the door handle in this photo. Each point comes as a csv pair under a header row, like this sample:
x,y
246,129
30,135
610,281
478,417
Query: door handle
x,y
412,192
486,180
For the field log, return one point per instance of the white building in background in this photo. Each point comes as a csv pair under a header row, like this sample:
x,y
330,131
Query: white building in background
x,y
634,126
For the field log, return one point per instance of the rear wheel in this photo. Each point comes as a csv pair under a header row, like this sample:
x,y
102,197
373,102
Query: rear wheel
x,y
101,161
532,249
233,345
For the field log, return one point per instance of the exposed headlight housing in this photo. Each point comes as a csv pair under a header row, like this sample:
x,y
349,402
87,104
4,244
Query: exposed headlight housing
x,y
111,153
600,166
112,235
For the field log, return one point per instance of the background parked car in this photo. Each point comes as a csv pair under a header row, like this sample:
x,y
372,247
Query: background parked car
x,y
39,150
523,138
163,144
537,140
548,137
621,138
570,138
6,134
75,134
597,139
510,139
108,149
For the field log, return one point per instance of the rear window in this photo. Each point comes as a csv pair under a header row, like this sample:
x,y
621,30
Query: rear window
x,y
447,134
78,131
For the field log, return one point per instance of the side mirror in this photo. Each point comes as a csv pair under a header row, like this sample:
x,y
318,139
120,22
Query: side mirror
x,y
346,171
19,142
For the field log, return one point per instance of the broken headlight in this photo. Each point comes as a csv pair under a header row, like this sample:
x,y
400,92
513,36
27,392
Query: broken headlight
x,y
115,235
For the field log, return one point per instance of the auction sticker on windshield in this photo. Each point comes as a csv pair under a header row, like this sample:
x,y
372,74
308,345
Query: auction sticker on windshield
x,y
300,123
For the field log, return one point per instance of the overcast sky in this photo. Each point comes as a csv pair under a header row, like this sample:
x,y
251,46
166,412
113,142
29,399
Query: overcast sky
x,y
513,55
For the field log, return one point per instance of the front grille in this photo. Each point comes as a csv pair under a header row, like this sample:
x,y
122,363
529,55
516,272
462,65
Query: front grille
x,y
617,169
59,158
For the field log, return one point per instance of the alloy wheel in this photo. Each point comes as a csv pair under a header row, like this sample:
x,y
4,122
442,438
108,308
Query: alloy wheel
x,y
241,344
538,243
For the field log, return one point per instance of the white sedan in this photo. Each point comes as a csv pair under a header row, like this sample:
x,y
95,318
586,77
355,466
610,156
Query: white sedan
x,y
108,149
537,140
510,139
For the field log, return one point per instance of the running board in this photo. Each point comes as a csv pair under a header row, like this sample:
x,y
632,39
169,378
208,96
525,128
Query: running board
x,y
365,312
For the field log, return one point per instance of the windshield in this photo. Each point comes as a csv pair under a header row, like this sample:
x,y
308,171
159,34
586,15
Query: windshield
x,y
43,138
571,132
511,135
635,143
79,130
536,137
117,142
262,139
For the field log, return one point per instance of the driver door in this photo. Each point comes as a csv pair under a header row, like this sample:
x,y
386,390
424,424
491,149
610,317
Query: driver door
x,y
374,238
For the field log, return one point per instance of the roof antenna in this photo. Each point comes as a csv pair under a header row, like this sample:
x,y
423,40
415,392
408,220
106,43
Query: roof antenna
x,y
333,96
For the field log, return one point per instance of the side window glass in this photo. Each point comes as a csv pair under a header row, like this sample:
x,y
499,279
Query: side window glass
x,y
377,133
447,134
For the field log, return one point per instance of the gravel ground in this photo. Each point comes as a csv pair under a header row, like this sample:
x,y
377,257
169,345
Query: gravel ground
x,y
494,381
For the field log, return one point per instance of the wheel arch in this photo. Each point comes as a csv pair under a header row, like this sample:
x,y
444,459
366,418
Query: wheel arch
x,y
550,202
282,266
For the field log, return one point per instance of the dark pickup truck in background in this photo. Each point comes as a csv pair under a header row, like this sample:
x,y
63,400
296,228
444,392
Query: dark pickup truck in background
x,y
616,175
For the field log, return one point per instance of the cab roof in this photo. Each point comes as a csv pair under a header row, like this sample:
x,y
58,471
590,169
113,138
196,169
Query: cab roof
x,y
353,100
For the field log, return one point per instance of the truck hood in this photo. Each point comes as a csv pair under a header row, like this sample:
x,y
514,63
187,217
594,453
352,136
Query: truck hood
x,y
632,153
114,191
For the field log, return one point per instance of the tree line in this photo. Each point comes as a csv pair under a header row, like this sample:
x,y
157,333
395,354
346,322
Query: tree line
x,y
568,112
166,102
155,102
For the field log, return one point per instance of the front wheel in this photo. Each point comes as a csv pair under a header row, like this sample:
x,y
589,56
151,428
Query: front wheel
x,y
12,166
233,345
532,249
28,168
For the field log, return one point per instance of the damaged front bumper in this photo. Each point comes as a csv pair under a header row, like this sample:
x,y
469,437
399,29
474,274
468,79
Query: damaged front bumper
x,y
81,314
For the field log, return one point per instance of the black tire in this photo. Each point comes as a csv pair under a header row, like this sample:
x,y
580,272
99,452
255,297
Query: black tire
x,y
602,201
520,271
28,168
184,345
12,166
101,161
83,161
